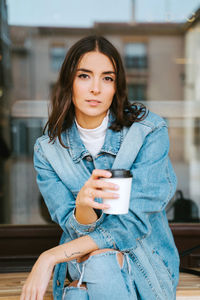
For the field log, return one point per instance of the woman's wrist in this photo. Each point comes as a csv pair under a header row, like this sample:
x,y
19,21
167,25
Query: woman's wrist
x,y
49,257
84,214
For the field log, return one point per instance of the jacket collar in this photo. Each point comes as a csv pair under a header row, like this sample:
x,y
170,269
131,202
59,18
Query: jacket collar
x,y
78,150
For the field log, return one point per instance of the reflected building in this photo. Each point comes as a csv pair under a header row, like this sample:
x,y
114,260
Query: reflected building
x,y
157,60
150,53
192,93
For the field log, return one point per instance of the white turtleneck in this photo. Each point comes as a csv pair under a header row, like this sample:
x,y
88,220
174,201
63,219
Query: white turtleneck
x,y
93,139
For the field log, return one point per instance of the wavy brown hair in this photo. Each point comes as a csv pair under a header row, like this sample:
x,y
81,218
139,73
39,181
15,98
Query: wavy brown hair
x,y
62,108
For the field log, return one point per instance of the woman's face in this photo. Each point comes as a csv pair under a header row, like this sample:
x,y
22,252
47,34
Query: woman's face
x,y
93,89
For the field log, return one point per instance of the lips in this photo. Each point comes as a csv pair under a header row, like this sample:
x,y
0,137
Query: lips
x,y
93,100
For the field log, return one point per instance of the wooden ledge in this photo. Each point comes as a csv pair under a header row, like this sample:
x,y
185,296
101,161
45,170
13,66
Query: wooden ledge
x,y
189,287
11,285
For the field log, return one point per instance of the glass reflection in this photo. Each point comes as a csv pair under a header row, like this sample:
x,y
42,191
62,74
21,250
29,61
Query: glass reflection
x,y
163,70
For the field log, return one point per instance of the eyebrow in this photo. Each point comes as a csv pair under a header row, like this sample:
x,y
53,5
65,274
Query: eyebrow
x,y
89,71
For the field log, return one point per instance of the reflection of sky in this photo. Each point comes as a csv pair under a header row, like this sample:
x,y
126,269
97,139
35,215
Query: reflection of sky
x,y
166,10
83,13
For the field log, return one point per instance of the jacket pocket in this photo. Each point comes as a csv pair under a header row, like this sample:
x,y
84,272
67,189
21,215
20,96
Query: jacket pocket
x,y
164,264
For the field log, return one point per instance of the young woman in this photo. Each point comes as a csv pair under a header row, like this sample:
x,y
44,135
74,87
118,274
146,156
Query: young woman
x,y
92,127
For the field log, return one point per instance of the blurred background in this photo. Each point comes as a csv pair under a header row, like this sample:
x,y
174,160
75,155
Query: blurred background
x,y
159,41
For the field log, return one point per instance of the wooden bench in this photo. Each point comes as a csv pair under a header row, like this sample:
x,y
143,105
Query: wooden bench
x,y
188,288
11,285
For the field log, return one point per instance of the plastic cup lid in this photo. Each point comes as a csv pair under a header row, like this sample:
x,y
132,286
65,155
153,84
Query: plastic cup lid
x,y
120,173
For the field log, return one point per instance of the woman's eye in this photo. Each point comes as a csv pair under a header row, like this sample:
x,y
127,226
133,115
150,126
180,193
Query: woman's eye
x,y
107,78
83,76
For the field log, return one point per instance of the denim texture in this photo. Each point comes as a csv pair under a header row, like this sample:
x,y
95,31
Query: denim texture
x,y
106,279
143,234
101,272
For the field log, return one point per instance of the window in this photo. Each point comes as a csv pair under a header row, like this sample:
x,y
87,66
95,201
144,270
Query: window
x,y
24,134
57,55
137,92
135,56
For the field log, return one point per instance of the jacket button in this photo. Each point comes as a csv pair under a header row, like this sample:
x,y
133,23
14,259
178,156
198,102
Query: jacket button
x,y
90,229
89,158
58,283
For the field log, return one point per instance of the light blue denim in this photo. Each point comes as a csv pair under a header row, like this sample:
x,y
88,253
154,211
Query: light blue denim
x,y
106,280
143,235
101,272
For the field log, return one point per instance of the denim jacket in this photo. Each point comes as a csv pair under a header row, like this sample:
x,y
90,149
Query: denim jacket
x,y
61,173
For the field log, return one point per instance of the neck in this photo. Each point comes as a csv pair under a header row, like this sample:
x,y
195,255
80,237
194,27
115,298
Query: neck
x,y
90,122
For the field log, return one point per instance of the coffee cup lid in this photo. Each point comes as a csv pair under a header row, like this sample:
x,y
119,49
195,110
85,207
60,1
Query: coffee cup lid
x,y
120,173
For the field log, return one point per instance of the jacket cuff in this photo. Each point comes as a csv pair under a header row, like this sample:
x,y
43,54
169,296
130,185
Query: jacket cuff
x,y
102,238
82,229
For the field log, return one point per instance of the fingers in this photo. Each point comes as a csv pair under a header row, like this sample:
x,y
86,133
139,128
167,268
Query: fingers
x,y
27,293
101,184
40,295
94,193
96,187
96,205
100,173
32,289
89,202
31,293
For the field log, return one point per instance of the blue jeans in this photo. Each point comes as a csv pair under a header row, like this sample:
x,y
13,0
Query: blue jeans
x,y
106,279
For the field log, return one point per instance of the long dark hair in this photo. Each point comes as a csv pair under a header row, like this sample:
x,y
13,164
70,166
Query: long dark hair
x,y
62,107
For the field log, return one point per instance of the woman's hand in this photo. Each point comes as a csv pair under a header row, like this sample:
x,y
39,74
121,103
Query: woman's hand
x,y
94,188
37,281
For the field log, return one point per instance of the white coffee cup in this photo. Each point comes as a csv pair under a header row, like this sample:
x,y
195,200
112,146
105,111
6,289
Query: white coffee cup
x,y
123,178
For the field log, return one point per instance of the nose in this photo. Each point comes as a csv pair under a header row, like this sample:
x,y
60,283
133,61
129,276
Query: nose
x,y
95,87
